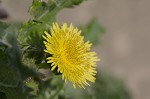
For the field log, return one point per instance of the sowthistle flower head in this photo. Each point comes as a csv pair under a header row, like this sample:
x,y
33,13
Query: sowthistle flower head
x,y
70,54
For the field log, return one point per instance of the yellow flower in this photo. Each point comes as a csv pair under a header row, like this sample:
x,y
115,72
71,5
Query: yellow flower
x,y
70,54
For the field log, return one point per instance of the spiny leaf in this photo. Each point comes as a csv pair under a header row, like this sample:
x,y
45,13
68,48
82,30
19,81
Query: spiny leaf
x,y
13,52
12,71
3,26
41,10
8,74
37,8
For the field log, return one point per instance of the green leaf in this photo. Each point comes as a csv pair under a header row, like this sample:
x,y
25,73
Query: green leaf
x,y
12,93
13,52
12,71
8,74
3,26
8,77
92,31
72,3
37,8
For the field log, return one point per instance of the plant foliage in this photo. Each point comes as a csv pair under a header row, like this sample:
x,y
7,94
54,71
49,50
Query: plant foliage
x,y
22,57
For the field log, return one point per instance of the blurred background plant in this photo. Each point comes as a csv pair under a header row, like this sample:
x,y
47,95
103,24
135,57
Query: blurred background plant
x,y
23,71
